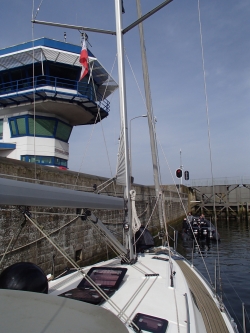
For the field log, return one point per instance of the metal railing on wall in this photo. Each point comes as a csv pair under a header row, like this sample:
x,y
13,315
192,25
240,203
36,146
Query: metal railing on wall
x,y
219,181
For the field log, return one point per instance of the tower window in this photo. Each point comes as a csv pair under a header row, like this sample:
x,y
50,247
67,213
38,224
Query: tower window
x,y
13,127
21,126
42,127
45,160
63,131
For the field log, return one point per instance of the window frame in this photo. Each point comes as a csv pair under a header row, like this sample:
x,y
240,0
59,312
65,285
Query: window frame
x,y
15,133
55,161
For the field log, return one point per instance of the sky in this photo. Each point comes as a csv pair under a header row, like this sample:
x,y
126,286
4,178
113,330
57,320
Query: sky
x,y
185,122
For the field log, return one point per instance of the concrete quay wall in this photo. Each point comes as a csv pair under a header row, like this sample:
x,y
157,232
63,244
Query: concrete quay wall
x,y
21,241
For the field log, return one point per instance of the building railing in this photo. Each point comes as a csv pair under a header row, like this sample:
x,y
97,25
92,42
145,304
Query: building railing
x,y
56,84
219,181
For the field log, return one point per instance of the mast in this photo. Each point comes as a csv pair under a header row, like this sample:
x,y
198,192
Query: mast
x,y
151,118
124,124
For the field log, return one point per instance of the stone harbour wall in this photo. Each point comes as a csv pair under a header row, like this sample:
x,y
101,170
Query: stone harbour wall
x,y
20,240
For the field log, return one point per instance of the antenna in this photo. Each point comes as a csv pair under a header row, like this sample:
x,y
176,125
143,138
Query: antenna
x,y
84,35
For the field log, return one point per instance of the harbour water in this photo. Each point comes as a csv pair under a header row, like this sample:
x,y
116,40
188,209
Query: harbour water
x,y
234,259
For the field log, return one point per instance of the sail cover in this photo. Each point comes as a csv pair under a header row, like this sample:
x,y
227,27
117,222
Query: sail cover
x,y
20,193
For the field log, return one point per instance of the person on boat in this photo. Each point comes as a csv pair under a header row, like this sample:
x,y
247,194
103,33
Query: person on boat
x,y
189,217
185,225
202,218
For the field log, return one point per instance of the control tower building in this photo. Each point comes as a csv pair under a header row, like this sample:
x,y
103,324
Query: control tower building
x,y
42,99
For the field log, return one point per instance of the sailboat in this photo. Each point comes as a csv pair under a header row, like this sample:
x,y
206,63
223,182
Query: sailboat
x,y
143,289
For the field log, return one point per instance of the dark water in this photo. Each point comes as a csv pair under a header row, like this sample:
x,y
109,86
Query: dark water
x,y
234,258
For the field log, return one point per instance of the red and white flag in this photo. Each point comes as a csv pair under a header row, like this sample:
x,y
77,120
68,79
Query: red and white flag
x,y
84,60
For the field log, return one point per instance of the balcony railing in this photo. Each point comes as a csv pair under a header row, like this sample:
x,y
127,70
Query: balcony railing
x,y
55,84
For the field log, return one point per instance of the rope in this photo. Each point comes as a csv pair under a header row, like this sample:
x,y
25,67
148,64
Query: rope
x,y
3,255
144,211
148,221
39,239
111,182
136,223
16,235
111,245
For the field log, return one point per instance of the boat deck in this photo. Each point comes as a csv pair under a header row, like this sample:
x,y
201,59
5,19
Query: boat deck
x,y
211,315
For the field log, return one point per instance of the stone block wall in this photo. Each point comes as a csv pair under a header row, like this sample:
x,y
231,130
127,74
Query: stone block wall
x,y
21,241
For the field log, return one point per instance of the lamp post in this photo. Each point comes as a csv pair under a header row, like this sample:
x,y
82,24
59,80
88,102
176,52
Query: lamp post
x,y
181,167
130,153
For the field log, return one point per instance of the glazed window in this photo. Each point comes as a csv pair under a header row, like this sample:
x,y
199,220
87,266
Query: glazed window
x,y
43,126
45,160
13,128
63,131
21,126
150,324
60,162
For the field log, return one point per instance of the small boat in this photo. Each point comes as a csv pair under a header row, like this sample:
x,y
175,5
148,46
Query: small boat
x,y
200,229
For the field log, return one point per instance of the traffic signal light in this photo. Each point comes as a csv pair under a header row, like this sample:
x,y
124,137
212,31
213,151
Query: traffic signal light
x,y
178,173
186,175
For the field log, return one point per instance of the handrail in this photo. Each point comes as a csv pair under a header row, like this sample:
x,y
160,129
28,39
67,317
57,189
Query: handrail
x,y
225,310
188,316
81,89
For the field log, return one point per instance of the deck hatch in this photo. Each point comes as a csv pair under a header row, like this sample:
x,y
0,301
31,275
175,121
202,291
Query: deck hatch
x,y
107,278
104,277
150,324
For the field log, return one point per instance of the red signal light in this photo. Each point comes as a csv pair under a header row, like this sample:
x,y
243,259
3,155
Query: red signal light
x,y
178,173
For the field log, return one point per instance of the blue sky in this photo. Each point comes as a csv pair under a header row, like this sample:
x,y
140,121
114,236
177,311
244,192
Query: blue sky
x,y
172,40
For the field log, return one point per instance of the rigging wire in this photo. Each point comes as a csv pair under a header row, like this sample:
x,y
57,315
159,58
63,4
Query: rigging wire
x,y
79,269
209,139
97,116
33,84
34,95
184,209
164,223
37,11
237,296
